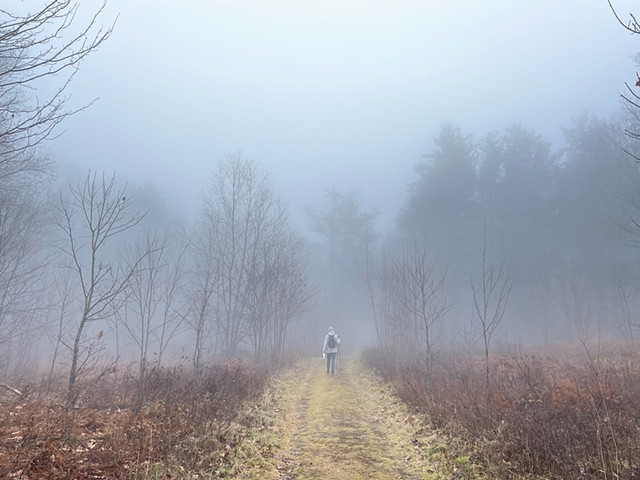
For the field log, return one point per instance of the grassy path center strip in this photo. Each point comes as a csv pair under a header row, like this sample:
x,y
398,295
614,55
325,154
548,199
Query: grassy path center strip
x,y
343,426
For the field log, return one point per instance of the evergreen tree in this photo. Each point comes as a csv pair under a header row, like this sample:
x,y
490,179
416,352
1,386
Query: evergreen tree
x,y
345,233
441,205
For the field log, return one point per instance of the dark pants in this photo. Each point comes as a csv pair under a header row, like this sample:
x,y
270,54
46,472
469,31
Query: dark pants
x,y
331,362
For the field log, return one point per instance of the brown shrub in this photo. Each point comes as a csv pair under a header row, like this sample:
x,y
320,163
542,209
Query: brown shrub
x,y
183,423
540,416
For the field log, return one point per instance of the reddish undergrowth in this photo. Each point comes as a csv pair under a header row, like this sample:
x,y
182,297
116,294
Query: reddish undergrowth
x,y
183,423
539,416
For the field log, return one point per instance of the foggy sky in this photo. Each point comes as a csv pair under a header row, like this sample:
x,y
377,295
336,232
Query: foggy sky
x,y
333,93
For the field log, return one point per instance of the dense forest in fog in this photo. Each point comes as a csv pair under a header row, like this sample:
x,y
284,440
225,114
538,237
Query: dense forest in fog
x,y
560,222
506,237
102,271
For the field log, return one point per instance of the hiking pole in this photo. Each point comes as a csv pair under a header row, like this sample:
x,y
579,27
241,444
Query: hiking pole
x,y
339,358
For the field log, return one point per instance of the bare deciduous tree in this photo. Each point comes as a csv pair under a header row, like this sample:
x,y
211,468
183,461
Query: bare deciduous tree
x,y
631,25
202,314
41,48
263,282
491,289
380,294
96,211
293,290
174,304
63,298
631,100
143,297
243,205
21,262
406,289
279,291
418,289
251,279
150,313
46,44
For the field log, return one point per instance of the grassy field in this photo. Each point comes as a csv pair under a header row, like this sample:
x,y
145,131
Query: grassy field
x,y
538,417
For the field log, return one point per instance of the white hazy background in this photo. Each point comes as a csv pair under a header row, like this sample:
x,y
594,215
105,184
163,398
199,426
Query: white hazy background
x,y
333,93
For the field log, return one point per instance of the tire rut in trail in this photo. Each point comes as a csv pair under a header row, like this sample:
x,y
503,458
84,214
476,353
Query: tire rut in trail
x,y
336,433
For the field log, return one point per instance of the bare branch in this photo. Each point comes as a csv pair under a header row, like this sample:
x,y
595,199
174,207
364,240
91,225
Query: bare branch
x,y
35,47
632,25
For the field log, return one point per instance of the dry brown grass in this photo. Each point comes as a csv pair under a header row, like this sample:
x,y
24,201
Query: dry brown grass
x,y
184,425
540,416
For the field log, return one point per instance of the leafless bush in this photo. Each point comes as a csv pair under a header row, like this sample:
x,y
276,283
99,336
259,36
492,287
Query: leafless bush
x,y
187,423
544,416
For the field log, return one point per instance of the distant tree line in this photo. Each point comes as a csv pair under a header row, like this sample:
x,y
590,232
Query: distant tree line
x,y
541,206
509,214
556,221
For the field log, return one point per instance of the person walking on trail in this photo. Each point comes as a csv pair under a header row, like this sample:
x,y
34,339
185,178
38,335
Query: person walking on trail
x,y
330,349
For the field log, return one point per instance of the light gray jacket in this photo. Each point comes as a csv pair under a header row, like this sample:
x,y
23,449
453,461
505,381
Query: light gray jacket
x,y
325,347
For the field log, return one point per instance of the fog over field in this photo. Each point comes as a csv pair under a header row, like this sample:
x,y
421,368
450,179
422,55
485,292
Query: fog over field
x,y
418,174
239,236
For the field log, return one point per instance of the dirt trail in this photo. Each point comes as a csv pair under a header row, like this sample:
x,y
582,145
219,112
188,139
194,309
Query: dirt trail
x,y
338,433
347,426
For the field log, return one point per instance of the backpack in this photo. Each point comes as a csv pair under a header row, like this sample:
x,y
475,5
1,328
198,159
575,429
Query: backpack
x,y
331,341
